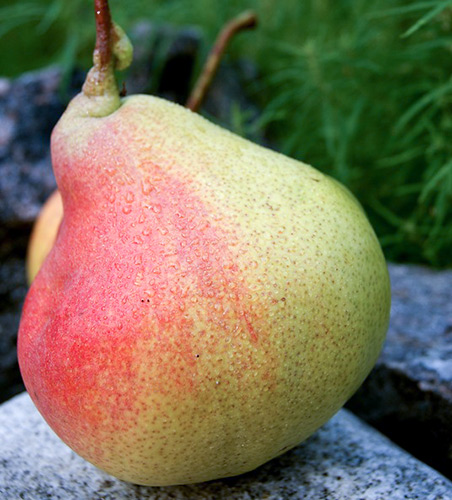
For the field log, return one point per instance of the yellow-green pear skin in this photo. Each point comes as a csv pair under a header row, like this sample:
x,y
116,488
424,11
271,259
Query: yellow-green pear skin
x,y
208,303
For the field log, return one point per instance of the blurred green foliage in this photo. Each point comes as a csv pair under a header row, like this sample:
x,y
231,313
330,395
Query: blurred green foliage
x,y
361,89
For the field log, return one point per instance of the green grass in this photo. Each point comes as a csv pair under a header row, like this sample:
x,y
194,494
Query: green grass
x,y
361,89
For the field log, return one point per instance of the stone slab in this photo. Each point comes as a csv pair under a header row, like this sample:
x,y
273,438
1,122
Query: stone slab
x,y
409,393
344,460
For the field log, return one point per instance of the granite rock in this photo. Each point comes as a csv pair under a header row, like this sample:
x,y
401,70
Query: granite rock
x,y
29,108
12,293
408,395
344,460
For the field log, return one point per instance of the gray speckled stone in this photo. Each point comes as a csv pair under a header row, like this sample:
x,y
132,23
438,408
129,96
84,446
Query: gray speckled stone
x,y
345,460
409,393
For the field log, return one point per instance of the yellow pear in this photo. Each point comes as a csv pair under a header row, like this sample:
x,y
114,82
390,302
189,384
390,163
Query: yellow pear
x,y
44,234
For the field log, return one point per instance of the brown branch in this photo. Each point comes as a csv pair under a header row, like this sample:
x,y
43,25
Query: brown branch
x,y
246,20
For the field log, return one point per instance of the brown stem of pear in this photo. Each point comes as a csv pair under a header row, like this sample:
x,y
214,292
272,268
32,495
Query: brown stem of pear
x,y
103,32
246,20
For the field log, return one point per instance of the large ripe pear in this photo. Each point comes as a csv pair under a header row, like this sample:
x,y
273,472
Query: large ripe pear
x,y
208,303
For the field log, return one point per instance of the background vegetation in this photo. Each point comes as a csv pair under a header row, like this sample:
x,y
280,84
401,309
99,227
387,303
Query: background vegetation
x,y
361,89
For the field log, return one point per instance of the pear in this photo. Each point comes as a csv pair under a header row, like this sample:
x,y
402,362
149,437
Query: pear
x,y
207,304
44,234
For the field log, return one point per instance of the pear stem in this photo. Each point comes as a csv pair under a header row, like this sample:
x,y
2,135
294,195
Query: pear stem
x,y
246,20
103,32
